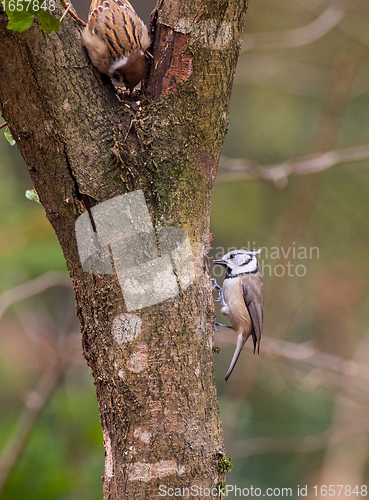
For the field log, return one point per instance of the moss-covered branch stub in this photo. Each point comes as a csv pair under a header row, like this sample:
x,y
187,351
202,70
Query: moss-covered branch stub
x,y
189,86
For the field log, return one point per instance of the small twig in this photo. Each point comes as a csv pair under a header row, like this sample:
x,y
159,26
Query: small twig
x,y
303,444
295,38
35,402
65,12
242,169
67,7
32,287
350,5
60,359
3,125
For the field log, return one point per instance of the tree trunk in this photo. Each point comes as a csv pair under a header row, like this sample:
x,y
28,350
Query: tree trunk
x,y
153,366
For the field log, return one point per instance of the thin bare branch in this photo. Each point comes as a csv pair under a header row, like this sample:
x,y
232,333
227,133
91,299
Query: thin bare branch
x,y
61,356
305,354
67,7
32,287
3,125
35,402
348,5
242,169
285,444
295,444
295,38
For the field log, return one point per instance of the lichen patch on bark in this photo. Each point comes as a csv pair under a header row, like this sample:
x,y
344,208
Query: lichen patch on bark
x,y
208,33
141,471
126,328
138,361
108,470
143,435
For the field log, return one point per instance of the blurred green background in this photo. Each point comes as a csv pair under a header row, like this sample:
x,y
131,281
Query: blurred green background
x,y
297,414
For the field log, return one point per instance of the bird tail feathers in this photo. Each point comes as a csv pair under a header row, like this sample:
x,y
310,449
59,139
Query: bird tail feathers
x,y
236,355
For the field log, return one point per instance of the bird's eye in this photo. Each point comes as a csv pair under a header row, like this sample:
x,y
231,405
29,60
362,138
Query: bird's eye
x,y
116,75
231,256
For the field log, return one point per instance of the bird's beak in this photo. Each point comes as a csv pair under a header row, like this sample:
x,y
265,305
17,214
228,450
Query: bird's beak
x,y
220,261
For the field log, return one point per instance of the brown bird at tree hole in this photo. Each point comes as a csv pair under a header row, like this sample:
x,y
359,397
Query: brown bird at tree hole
x,y
117,40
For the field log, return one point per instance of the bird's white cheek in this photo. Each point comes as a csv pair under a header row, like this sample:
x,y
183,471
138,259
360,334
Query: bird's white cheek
x,y
118,63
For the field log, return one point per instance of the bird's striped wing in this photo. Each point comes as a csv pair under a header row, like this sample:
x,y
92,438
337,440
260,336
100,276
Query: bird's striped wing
x,y
118,25
95,4
253,294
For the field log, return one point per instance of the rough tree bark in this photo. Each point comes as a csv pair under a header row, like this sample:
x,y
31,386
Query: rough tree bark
x,y
153,369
